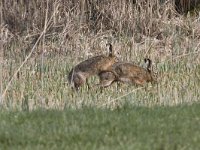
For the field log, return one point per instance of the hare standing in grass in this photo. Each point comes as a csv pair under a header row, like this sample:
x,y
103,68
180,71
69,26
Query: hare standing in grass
x,y
127,73
92,66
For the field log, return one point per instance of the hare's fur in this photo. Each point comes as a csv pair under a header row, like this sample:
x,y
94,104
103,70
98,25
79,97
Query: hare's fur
x,y
127,73
92,66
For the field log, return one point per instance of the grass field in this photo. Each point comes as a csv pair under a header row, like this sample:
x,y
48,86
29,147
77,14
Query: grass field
x,y
37,56
136,128
44,85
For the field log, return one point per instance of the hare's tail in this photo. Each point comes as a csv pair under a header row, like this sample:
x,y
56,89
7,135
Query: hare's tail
x,y
70,78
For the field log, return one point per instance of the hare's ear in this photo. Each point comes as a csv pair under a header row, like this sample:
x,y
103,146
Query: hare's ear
x,y
149,63
147,60
110,49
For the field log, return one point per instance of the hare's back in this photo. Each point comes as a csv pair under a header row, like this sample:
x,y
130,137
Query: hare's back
x,y
124,68
90,63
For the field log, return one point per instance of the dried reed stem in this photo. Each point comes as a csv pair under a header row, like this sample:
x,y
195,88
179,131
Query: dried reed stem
x,y
26,59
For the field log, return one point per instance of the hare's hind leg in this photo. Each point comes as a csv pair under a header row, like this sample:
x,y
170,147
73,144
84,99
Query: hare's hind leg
x,y
105,83
78,81
106,79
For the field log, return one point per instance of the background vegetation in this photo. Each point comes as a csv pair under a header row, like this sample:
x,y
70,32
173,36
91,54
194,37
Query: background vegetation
x,y
40,41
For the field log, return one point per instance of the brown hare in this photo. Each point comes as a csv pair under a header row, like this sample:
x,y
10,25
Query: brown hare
x,y
127,73
92,66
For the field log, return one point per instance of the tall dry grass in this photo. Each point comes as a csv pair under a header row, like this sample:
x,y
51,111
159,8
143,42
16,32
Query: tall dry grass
x,y
42,40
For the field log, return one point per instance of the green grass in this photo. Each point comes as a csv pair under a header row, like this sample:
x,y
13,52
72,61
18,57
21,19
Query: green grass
x,y
88,128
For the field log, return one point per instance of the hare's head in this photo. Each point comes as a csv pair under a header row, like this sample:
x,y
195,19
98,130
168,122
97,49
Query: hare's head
x,y
110,59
